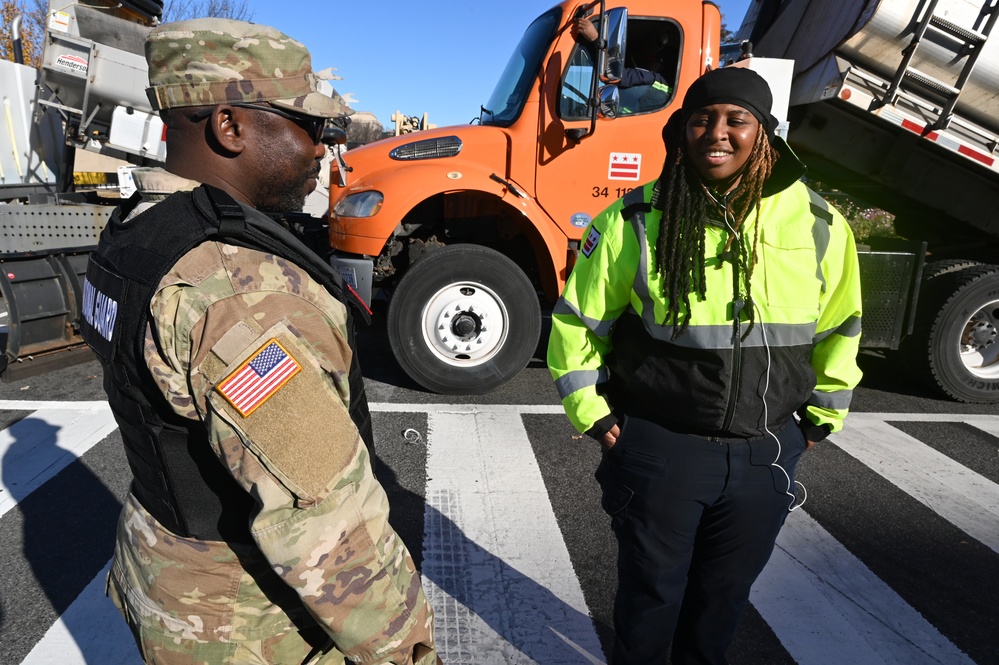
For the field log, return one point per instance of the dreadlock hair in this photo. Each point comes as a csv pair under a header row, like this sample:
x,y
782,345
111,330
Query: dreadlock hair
x,y
686,202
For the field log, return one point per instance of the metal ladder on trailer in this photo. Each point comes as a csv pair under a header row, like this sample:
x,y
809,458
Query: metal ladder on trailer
x,y
969,41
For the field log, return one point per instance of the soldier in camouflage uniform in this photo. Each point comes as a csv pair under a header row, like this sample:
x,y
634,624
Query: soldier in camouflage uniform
x,y
324,578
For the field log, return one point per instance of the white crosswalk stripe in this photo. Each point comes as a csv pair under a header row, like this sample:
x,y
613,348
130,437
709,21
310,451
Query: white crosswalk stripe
x,y
957,493
820,600
40,446
484,479
90,631
503,585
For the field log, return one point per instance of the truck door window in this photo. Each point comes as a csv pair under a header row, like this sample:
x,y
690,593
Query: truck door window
x,y
576,85
652,60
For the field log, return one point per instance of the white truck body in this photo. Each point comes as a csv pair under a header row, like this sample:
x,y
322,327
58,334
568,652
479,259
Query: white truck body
x,y
89,94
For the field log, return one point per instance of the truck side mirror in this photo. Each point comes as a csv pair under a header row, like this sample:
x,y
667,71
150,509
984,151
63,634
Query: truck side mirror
x,y
334,136
334,139
609,103
611,62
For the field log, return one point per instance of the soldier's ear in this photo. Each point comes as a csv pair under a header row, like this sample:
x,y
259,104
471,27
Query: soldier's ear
x,y
227,126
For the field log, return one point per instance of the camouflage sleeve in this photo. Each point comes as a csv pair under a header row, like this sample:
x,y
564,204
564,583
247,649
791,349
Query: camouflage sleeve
x,y
265,362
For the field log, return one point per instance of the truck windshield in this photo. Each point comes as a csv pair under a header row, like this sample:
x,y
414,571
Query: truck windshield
x,y
508,98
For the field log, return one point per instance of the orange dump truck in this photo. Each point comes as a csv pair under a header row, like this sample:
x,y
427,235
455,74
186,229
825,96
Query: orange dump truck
x,y
472,230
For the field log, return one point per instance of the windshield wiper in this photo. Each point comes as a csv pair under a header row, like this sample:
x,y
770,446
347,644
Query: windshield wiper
x,y
485,110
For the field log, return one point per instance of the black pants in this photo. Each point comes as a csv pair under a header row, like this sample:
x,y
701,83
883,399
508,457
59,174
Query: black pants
x,y
695,521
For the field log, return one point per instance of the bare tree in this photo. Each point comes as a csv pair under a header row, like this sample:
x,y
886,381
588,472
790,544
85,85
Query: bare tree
x,y
359,133
178,10
32,30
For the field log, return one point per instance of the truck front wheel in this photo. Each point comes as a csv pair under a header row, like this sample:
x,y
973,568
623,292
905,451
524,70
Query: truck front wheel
x,y
464,320
957,331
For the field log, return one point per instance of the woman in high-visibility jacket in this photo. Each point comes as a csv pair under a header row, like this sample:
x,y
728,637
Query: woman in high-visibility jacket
x,y
707,310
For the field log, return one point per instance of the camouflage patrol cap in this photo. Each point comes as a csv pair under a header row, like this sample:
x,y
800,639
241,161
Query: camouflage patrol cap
x,y
209,61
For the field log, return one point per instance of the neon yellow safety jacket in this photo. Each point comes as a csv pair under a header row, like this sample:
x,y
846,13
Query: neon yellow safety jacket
x,y
611,352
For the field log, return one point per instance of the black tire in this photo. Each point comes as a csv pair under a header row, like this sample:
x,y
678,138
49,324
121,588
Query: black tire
x,y
937,268
464,320
955,344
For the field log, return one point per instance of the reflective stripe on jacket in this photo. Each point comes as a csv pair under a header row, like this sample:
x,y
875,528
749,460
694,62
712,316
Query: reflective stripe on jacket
x,y
611,349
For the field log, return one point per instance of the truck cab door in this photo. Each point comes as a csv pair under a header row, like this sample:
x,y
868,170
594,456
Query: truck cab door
x,y
577,179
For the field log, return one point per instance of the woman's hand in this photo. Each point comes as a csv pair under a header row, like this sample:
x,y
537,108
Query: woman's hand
x,y
609,440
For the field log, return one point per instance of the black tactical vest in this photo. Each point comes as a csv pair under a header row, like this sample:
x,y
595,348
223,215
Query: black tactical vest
x,y
176,475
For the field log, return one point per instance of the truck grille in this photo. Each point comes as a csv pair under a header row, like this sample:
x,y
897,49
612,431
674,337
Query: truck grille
x,y
445,146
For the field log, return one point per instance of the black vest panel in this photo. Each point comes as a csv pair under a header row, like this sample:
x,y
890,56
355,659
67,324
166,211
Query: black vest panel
x,y
176,475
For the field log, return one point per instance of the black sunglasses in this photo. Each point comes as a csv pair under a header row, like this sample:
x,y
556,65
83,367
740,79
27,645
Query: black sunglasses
x,y
313,126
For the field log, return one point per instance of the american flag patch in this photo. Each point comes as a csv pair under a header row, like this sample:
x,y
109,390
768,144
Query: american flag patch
x,y
257,379
591,242
625,166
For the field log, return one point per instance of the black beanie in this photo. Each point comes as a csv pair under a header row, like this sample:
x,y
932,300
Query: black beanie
x,y
732,85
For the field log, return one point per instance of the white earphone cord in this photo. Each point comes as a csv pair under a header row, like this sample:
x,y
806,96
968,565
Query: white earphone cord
x,y
766,419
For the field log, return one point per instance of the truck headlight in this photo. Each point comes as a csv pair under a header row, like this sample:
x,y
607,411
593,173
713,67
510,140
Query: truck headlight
x,y
362,204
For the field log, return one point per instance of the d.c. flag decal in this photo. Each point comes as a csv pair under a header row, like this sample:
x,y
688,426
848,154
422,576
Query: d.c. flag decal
x,y
625,166
592,238
257,379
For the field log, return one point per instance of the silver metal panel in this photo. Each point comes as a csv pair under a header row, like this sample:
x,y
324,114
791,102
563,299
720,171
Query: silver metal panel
x,y
92,79
93,64
29,153
119,78
44,228
820,82
95,24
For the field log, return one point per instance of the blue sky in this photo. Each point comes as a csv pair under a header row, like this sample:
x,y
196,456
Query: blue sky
x,y
440,57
